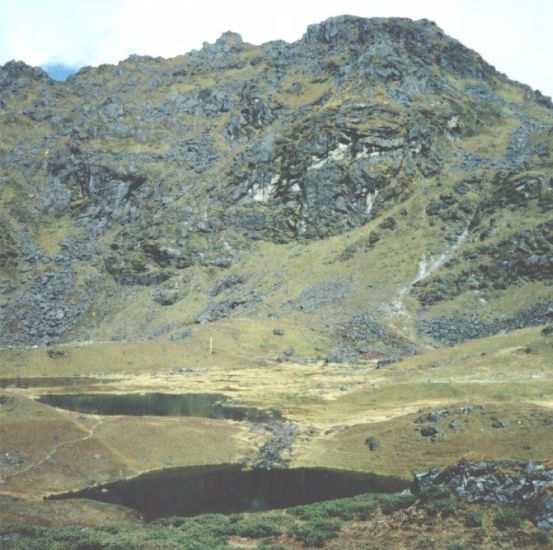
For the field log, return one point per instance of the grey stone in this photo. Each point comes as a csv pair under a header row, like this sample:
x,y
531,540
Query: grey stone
x,y
498,423
166,296
283,436
218,310
181,335
373,443
433,416
40,321
429,431
325,293
543,511
225,283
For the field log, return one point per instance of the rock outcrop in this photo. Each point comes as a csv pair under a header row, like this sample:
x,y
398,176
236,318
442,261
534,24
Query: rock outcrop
x,y
527,485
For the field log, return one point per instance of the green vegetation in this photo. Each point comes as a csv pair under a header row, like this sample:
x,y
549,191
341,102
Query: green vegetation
x,y
257,528
360,508
443,507
474,518
265,545
312,525
435,492
509,518
543,537
393,503
316,532
369,520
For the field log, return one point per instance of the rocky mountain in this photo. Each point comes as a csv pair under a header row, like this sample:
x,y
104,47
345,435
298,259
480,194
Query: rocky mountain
x,y
371,189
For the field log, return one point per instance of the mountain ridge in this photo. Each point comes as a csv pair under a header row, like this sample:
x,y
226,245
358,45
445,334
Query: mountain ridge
x,y
303,183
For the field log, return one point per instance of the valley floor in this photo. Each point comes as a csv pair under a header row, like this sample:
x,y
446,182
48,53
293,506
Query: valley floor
x,y
490,398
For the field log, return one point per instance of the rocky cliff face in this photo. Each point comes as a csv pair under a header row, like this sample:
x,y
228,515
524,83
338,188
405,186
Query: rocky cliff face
x,y
376,182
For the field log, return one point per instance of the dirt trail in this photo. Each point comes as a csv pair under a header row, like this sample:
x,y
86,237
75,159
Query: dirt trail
x,y
54,450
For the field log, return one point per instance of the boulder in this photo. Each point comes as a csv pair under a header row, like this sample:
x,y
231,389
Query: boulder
x,y
373,443
433,416
166,296
429,431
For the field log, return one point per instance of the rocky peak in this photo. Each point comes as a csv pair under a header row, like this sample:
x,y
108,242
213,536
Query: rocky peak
x,y
224,53
350,29
423,41
17,74
229,41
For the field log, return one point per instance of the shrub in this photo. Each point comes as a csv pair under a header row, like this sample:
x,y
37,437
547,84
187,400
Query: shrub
x,y
443,507
205,520
434,493
456,546
474,518
393,503
365,510
511,517
480,533
338,509
264,545
308,512
542,537
316,532
255,529
211,529
360,507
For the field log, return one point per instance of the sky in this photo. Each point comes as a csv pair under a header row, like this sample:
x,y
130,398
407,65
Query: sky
x,y
512,35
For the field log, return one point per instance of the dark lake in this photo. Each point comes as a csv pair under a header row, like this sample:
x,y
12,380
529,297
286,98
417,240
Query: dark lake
x,y
230,489
210,405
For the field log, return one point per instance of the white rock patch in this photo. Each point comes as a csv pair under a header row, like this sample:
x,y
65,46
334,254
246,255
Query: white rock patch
x,y
337,153
262,193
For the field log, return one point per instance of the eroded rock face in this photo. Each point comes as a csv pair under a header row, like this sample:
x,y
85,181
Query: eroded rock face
x,y
506,482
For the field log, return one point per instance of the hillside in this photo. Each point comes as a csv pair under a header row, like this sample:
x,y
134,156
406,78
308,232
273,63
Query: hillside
x,y
375,182
325,260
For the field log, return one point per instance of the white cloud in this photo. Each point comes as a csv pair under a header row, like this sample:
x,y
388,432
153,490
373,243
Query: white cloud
x,y
512,35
